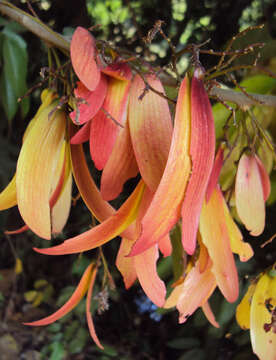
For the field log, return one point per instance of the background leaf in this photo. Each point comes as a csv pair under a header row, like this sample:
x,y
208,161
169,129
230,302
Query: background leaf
x,y
13,77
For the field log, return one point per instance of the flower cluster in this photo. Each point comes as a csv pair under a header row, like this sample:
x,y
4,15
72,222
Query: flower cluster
x,y
130,131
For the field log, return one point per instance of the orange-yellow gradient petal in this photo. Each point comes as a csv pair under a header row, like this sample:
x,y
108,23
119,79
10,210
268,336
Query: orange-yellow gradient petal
x,y
192,293
71,303
103,232
238,246
206,308
164,210
150,128
125,264
213,180
153,286
35,169
263,341
120,166
249,195
215,236
90,194
202,151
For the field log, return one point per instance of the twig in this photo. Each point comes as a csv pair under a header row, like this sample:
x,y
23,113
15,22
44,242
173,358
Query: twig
x,y
34,25
243,100
54,39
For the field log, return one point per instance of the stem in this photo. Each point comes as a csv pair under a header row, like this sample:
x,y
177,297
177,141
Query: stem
x,y
243,100
35,26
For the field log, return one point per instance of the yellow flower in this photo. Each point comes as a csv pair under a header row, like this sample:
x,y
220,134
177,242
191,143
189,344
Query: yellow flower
x,y
257,312
41,186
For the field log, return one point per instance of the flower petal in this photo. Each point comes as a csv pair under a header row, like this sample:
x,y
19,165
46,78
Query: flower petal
x,y
83,54
103,232
90,194
88,312
119,71
249,195
197,288
153,286
264,178
106,124
238,246
34,178
214,233
120,166
125,264
214,177
93,100
192,293
206,308
8,197
202,150
243,309
164,211
82,135
61,209
263,342
165,245
71,303
150,128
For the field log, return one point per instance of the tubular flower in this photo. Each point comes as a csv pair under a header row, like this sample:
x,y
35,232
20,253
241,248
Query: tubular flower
x,y
251,192
42,187
101,100
85,285
116,223
257,312
183,184
194,289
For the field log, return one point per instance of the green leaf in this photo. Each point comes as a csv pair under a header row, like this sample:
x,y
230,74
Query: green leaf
x,y
80,264
79,341
57,351
8,97
177,253
13,79
108,350
71,329
12,25
197,354
54,328
259,84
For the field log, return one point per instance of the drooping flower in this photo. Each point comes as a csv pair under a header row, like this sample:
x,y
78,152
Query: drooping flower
x,y
251,192
42,187
194,290
257,312
182,187
85,285
101,105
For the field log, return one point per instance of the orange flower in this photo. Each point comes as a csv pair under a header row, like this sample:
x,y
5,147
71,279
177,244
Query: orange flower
x,y
182,187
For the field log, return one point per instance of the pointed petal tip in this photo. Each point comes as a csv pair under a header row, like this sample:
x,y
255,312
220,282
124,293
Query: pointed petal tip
x,y
83,51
